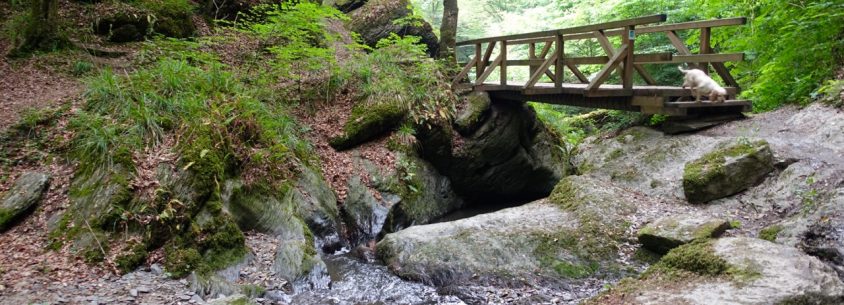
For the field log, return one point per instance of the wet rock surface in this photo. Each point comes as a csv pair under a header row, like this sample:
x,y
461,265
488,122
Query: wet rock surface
x,y
22,198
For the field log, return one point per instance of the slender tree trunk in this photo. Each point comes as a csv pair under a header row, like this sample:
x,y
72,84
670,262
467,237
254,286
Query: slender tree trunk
x,y
42,30
448,29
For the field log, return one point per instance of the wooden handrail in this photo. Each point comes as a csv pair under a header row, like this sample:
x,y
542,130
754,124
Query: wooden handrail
x,y
553,63
641,30
573,30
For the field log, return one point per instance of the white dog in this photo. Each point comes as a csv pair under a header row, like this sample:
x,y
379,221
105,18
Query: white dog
x,y
702,84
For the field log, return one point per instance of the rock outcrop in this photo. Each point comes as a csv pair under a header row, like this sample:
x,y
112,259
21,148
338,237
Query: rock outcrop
x,y
573,234
22,198
377,19
503,152
727,171
737,270
670,232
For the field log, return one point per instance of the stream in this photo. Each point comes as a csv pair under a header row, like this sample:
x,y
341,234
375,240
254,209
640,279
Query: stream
x,y
356,282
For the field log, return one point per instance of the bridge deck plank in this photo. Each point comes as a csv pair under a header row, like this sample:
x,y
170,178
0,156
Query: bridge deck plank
x,y
604,90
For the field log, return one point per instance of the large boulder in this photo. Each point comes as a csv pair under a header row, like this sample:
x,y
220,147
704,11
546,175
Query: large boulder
x,y
736,270
129,23
377,19
572,235
502,152
673,231
727,171
22,198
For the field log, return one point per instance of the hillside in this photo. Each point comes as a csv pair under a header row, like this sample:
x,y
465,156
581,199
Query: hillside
x,y
294,152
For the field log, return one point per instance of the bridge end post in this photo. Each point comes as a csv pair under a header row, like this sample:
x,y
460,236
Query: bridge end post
x,y
503,68
558,68
629,39
479,64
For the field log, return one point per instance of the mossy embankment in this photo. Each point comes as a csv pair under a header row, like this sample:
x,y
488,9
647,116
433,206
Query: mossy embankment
x,y
156,147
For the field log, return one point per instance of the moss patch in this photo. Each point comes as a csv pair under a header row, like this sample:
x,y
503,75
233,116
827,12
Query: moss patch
x,y
770,233
699,258
696,257
6,218
711,229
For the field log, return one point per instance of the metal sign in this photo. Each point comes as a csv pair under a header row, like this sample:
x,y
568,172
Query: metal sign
x,y
631,34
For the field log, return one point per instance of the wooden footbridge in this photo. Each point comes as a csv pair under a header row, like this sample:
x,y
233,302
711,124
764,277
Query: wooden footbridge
x,y
547,57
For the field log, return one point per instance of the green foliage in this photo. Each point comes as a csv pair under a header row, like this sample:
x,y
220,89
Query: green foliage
x,y
793,46
167,7
398,76
82,67
210,108
296,37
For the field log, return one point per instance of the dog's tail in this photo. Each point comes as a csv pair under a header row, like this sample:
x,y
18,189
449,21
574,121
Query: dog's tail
x,y
681,69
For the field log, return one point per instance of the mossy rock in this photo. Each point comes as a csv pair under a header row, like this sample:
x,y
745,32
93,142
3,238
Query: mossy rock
x,y
22,198
368,122
732,270
375,20
671,232
212,243
474,111
727,171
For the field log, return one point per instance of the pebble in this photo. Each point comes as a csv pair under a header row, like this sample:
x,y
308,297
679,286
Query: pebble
x,y
133,292
196,299
143,289
184,297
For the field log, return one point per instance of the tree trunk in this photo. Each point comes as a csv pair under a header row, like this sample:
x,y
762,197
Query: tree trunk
x,y
42,31
448,29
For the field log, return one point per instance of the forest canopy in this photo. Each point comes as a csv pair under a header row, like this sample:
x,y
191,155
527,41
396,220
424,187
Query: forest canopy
x,y
791,47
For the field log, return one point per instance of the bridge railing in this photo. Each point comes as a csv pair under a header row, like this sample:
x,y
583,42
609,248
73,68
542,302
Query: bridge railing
x,y
547,50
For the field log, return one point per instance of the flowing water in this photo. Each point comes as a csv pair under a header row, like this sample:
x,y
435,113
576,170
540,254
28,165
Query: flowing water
x,y
356,282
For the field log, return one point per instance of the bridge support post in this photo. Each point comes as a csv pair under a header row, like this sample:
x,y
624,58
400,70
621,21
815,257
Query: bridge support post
x,y
705,47
503,63
558,68
532,56
629,39
479,65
